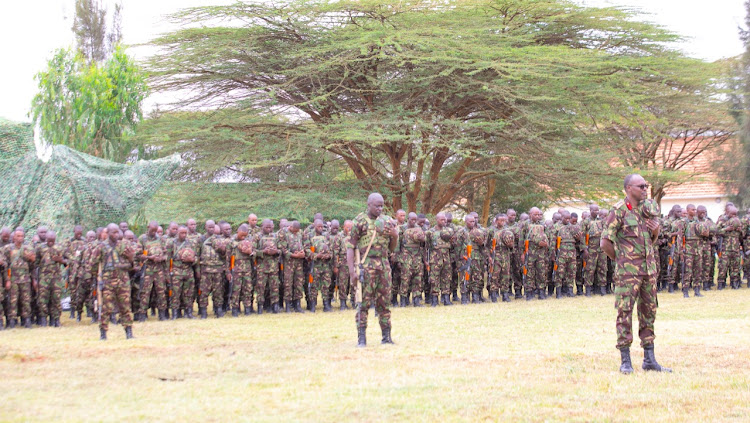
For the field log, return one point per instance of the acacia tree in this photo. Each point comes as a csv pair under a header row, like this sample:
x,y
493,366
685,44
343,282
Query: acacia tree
x,y
420,100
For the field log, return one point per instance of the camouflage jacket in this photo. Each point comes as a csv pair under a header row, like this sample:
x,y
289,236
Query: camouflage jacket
x,y
732,231
596,227
15,260
411,246
478,252
362,230
626,227
290,243
44,260
73,254
115,261
267,263
243,263
339,248
152,247
535,233
175,248
211,260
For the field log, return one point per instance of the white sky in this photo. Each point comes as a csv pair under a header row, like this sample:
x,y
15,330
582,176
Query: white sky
x,y
31,30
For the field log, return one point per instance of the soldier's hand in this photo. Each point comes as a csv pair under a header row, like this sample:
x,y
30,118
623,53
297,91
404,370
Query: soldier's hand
x,y
544,244
336,270
652,224
394,233
7,285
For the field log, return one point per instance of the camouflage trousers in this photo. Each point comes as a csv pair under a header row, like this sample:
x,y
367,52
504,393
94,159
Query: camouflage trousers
x,y
154,282
116,296
536,270
475,282
729,265
664,272
706,254
48,299
596,268
396,269
500,275
745,267
83,295
294,279
322,275
20,296
692,268
375,288
183,290
566,269
212,283
440,272
242,290
628,291
412,270
516,271
269,281
344,282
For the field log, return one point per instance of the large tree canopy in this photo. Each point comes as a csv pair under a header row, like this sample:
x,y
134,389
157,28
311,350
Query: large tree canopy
x,y
422,100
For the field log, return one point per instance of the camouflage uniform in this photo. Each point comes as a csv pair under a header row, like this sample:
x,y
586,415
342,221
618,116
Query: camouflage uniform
x,y
536,262
665,246
502,255
729,263
566,257
691,254
412,262
294,272
706,252
182,274
744,257
242,278
636,272
20,280
439,247
475,281
596,263
268,269
516,267
114,263
154,275
322,268
73,254
678,228
377,276
339,251
86,280
50,280
212,278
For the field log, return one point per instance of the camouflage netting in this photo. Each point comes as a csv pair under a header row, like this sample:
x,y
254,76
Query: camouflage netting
x,y
71,187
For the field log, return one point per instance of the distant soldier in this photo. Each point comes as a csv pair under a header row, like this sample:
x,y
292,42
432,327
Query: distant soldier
x,y
153,259
516,271
112,261
182,252
569,238
396,267
340,267
535,256
596,260
86,280
413,256
746,248
320,254
629,239
707,233
73,252
211,276
267,252
19,258
439,245
374,236
501,256
49,262
472,277
731,230
690,240
241,255
292,248
455,256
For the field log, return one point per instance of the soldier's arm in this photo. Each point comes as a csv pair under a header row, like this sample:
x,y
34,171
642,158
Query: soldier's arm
x,y
609,233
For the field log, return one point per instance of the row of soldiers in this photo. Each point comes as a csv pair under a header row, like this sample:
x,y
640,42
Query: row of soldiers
x,y
274,269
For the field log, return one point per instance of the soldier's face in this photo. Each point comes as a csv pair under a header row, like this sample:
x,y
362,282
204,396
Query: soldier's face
x,y
18,237
268,227
401,217
691,212
173,230
241,235
226,230
347,228
192,226
375,207
511,216
182,234
50,241
441,221
470,222
573,220
160,231
412,221
602,214
210,228
90,237
123,226
701,214
5,236
252,221
334,229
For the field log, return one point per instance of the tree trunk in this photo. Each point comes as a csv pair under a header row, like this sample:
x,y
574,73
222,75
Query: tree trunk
x,y
486,204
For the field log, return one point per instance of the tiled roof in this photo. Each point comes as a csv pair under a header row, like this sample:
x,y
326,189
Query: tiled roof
x,y
703,182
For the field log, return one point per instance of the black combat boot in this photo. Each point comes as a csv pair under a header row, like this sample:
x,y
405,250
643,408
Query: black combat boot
x,y
102,334
27,323
219,312
327,306
721,286
298,307
417,301
361,337
43,321
260,308
465,298
113,318
88,312
404,301
394,301
78,317
447,301
128,332
685,293
161,315
202,312
166,314
455,296
506,297
387,333
698,291
235,312
72,314
189,313
174,315
588,291
570,291
480,298
626,367
542,294
153,311
287,307
649,361
343,306
313,304
579,290
603,291
474,298
529,295
275,309
56,323
558,292
493,297
670,288
12,323
519,295
433,301
179,313
707,286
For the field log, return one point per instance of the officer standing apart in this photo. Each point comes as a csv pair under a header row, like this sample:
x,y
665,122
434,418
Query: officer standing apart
x,y
629,238
375,237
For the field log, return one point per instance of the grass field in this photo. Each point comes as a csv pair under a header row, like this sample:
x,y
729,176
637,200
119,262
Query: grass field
x,y
548,360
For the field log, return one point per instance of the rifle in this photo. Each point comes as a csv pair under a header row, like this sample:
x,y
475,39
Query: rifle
x,y
312,268
231,282
142,272
466,268
492,257
429,249
587,249
720,247
671,255
557,256
169,292
525,260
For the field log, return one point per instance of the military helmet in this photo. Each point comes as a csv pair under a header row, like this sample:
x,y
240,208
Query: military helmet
x,y
445,235
651,209
477,236
29,255
187,255
508,238
245,246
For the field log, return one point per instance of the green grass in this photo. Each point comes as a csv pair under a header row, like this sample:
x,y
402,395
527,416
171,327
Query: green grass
x,y
540,361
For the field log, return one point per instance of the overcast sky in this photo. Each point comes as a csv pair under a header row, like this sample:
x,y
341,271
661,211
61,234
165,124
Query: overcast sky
x,y
31,30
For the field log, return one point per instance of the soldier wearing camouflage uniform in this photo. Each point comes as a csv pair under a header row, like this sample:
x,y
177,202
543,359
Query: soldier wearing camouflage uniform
x,y
439,240
413,256
340,268
516,267
745,257
240,257
212,275
706,247
86,279
596,260
19,259
501,256
183,257
112,261
73,252
690,240
629,238
292,248
536,257
566,256
375,236
267,252
321,265
153,259
396,265
49,259
472,235
731,230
